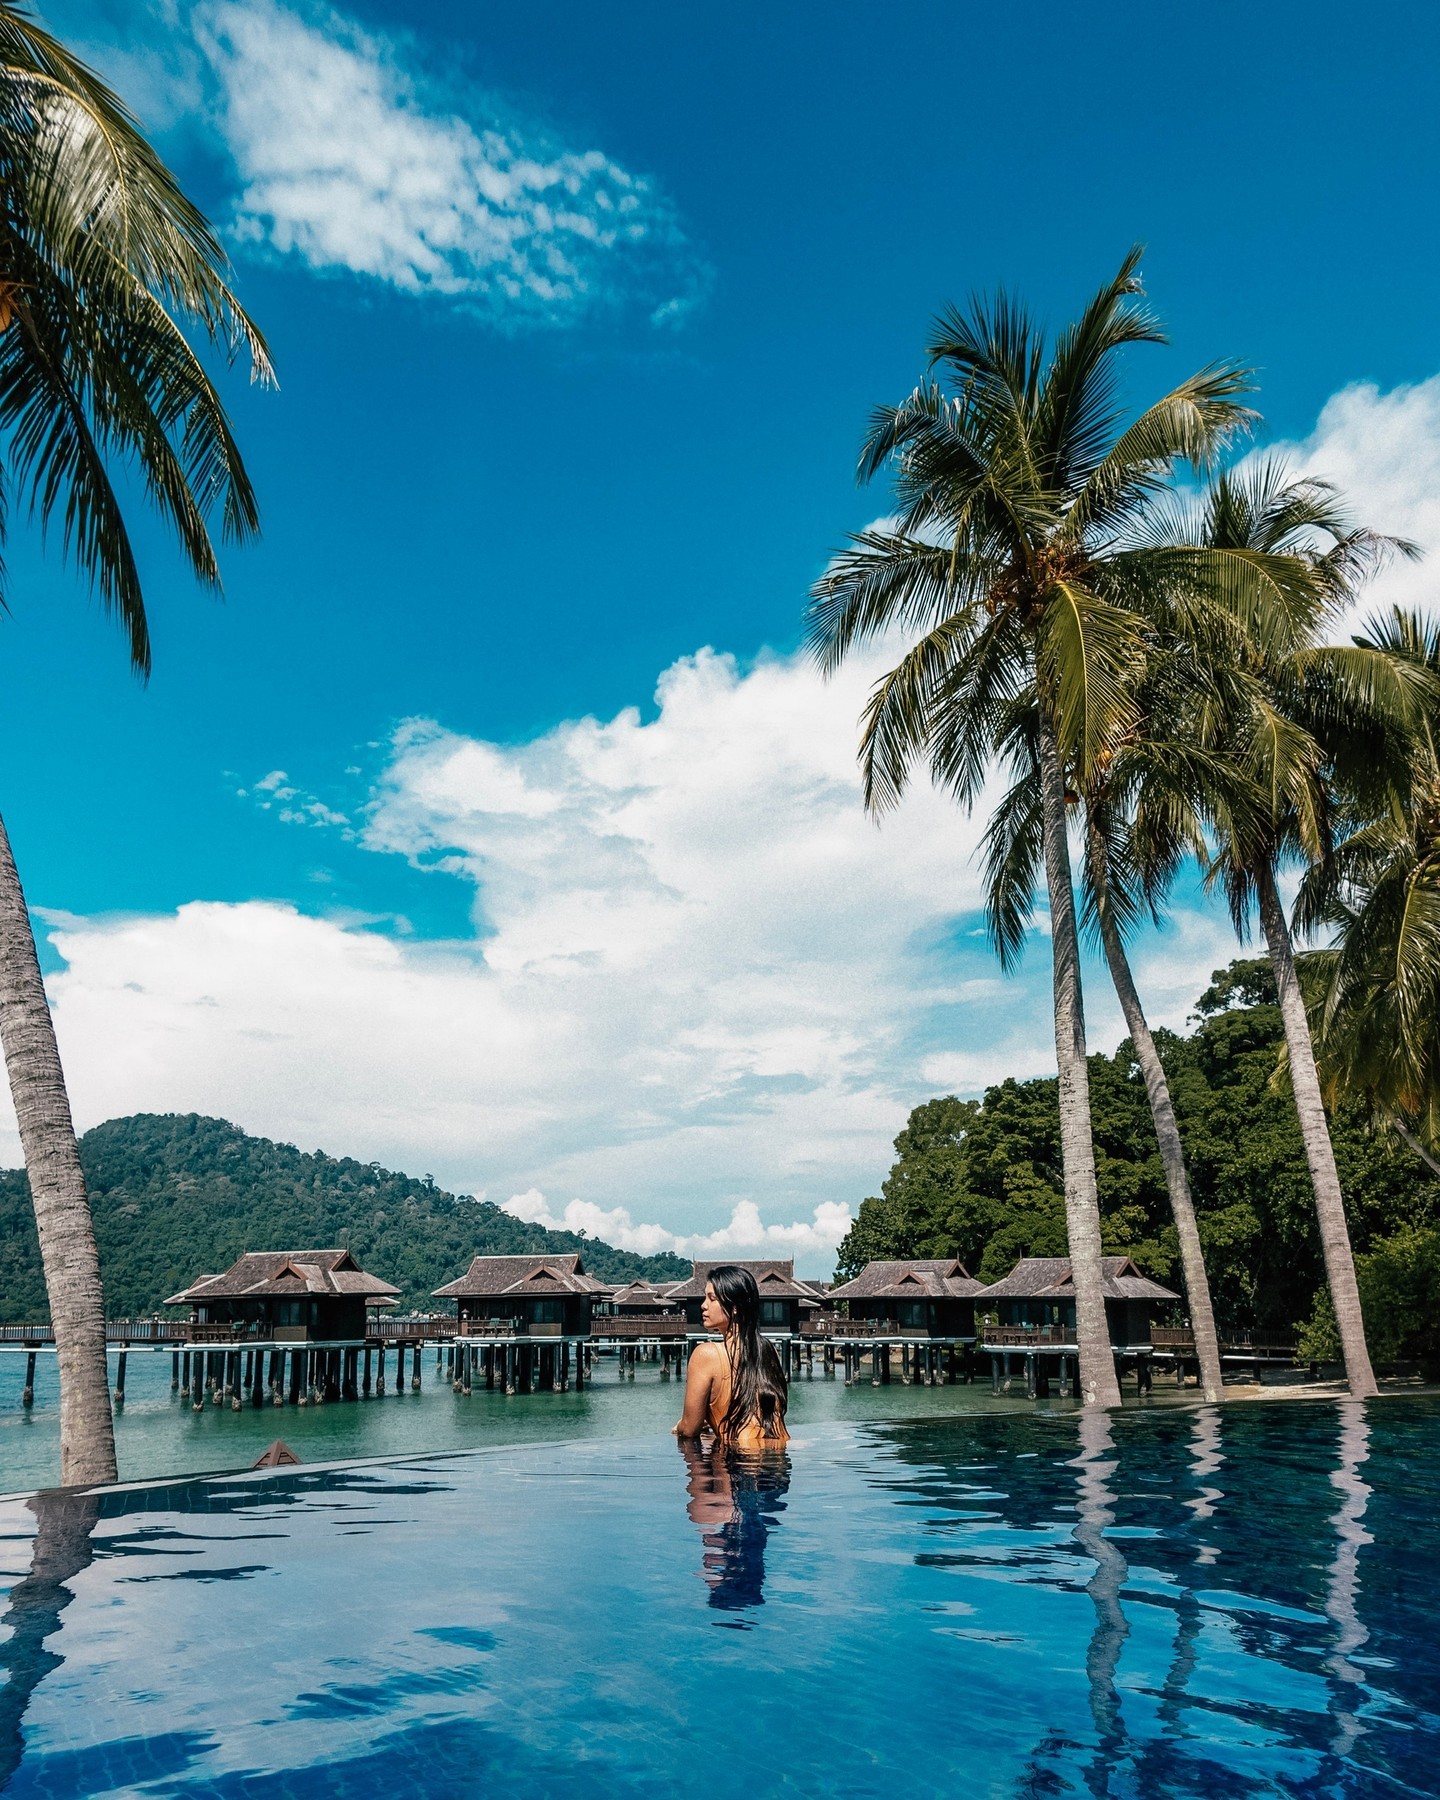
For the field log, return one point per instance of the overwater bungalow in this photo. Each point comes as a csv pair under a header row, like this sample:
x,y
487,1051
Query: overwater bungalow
x,y
782,1296
290,1296
1038,1295
1035,1309
926,1297
525,1296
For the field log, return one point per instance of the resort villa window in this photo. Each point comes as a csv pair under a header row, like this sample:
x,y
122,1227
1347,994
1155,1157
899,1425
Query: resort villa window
x,y
775,1312
547,1312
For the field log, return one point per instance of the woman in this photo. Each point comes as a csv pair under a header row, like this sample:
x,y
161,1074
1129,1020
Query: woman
x,y
737,1388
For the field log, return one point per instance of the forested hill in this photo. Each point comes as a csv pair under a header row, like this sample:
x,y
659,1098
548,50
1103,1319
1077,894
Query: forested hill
x,y
176,1195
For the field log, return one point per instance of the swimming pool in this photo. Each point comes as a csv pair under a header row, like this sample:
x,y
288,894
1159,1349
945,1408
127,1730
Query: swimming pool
x,y
1189,1601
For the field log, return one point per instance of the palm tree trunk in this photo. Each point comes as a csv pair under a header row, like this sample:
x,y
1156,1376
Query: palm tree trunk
x,y
1172,1154
1098,1383
57,1186
1409,1138
1319,1152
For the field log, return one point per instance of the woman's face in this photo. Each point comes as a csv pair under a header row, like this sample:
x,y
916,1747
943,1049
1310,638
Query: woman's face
x,y
713,1315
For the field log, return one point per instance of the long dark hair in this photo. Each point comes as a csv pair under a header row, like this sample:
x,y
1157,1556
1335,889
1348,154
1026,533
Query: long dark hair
x,y
758,1388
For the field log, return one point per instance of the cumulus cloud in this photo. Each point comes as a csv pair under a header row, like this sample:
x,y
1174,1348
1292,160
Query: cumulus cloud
x,y
814,1239
701,990
351,158
1382,449
701,994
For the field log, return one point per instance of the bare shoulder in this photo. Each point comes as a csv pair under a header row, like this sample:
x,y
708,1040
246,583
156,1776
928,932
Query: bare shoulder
x,y
707,1356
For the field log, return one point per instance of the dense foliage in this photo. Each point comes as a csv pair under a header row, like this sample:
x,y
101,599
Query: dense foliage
x,y
175,1195
982,1179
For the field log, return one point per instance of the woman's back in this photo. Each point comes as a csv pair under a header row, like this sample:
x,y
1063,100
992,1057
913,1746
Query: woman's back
x,y
736,1388
751,1433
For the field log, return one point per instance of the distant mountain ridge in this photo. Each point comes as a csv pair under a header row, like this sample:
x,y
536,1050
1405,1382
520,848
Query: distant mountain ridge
x,y
176,1195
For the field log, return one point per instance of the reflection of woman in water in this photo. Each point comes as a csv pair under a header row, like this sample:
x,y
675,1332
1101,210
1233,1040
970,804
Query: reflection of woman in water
x,y
734,1497
737,1388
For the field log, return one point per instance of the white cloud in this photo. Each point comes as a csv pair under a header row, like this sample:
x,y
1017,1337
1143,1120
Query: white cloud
x,y
702,993
1382,449
350,157
813,1240
702,988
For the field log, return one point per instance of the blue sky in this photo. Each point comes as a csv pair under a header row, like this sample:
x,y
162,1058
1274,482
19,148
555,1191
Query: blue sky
x,y
502,499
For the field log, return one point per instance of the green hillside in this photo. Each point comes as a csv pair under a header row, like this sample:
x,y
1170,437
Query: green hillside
x,y
176,1195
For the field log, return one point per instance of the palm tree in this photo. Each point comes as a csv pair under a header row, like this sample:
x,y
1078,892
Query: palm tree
x,y
102,262
1018,564
1298,722
1120,886
1379,1022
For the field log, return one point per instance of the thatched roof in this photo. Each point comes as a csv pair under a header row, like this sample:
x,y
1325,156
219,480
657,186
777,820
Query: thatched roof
x,y
521,1278
775,1280
925,1278
289,1275
1049,1278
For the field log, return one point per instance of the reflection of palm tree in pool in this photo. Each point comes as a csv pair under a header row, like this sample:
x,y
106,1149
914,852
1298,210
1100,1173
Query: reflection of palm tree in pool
x,y
63,1524
1095,1506
734,1499
1342,1594
1161,1762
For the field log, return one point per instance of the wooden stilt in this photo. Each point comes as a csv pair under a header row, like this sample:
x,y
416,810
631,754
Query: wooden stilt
x,y
415,1371
380,1371
174,1370
365,1377
27,1398
581,1352
185,1376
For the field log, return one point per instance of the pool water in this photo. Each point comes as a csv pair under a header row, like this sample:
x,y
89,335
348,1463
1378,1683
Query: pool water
x,y
1185,1601
157,1434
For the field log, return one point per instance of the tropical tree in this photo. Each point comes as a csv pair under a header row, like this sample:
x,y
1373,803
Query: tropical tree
x,y
1379,895
1294,723
1121,887
1019,562
103,265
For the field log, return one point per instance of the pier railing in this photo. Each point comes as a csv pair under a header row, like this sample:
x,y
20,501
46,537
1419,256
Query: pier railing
x,y
1179,1340
850,1328
1021,1337
411,1331
642,1326
489,1328
117,1331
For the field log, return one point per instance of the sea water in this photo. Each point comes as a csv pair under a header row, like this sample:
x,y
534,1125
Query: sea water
x,y
1185,1600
